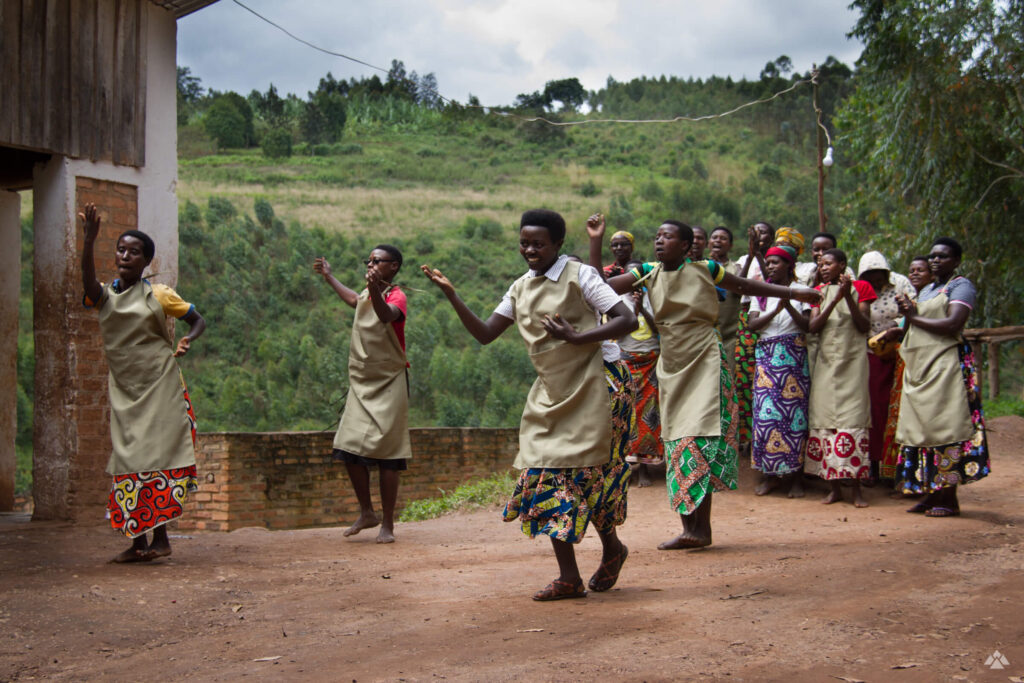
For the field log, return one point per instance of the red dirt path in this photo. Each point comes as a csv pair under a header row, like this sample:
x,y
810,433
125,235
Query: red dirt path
x,y
791,590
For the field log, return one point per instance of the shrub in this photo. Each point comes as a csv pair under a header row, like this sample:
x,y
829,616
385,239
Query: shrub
x,y
589,189
277,144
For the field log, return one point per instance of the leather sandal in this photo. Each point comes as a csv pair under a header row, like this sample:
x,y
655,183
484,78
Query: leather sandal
x,y
560,590
604,578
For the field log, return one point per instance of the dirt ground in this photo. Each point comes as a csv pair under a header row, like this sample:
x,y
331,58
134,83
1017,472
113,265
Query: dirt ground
x,y
791,590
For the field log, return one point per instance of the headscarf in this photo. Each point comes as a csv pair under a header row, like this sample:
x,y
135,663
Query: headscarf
x,y
628,236
791,236
783,251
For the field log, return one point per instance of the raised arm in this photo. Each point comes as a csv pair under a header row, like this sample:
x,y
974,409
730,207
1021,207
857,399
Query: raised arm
x,y
196,327
386,312
91,220
747,287
595,231
484,331
349,296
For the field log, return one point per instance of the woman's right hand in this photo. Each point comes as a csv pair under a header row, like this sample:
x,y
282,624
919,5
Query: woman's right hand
x,y
91,218
596,226
321,266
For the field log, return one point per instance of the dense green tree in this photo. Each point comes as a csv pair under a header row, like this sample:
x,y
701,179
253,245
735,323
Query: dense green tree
x,y
934,128
225,124
568,91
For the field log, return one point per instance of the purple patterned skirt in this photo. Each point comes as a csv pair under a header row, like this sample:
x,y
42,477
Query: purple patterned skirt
x,y
782,384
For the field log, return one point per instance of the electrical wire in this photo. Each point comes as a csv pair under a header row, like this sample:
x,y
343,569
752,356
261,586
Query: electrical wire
x,y
498,112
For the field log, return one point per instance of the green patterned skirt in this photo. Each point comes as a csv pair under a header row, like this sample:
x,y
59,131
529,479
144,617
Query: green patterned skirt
x,y
698,465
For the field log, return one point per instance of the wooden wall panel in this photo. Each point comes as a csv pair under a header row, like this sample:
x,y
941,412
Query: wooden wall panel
x,y
74,73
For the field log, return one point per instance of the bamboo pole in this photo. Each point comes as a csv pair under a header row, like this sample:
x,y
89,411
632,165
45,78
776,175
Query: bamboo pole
x,y
993,370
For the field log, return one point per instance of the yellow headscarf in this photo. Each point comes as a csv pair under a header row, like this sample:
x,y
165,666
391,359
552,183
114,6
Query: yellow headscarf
x,y
792,237
623,233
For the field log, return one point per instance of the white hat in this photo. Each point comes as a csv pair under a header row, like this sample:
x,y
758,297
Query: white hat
x,y
873,260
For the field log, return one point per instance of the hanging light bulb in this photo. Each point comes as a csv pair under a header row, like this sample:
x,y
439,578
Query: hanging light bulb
x,y
827,161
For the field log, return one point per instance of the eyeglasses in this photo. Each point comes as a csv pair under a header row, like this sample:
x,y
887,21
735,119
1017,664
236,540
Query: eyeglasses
x,y
932,257
375,261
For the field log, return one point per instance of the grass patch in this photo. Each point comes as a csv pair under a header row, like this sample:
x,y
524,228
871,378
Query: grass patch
x,y
487,492
1003,405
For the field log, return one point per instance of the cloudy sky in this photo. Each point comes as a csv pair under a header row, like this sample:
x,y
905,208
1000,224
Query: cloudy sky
x,y
499,48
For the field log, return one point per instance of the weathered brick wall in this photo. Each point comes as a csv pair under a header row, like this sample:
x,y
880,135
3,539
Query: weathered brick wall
x,y
287,480
88,482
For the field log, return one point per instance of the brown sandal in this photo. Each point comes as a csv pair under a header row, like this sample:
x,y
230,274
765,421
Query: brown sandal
x,y
560,590
604,578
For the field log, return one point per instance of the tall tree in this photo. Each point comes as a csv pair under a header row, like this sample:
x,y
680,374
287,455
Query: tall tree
x,y
934,128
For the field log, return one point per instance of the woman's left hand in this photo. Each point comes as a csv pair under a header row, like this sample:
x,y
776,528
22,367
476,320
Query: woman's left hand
x,y
559,329
183,345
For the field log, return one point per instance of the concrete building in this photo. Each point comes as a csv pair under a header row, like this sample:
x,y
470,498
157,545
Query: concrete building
x,y
87,114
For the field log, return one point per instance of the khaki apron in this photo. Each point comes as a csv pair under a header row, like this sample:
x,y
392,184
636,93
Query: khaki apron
x,y
933,407
729,319
567,418
839,381
149,424
685,305
375,423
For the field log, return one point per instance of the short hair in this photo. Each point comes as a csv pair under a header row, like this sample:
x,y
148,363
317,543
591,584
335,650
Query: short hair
x,y
838,254
634,263
148,247
919,258
958,251
695,228
765,223
724,229
392,251
829,236
545,218
685,231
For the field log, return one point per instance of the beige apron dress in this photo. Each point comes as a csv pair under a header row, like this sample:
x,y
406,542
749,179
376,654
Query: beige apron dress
x,y
933,407
150,428
375,423
839,407
567,418
685,306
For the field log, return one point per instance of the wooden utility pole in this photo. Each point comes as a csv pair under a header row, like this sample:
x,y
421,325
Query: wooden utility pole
x,y
822,219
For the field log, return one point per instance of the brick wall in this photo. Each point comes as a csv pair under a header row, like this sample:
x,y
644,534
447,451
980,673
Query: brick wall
x,y
88,483
287,480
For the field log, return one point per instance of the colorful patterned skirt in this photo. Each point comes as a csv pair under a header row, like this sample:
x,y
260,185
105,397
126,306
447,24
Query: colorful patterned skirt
x,y
560,503
743,390
928,469
645,446
839,454
888,468
782,387
141,501
699,464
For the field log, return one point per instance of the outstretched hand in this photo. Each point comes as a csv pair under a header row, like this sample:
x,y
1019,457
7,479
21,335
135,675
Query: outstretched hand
x,y
91,218
596,226
183,346
558,328
808,296
438,278
321,266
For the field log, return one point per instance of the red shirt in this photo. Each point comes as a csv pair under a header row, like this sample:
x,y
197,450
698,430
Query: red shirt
x,y
396,297
865,292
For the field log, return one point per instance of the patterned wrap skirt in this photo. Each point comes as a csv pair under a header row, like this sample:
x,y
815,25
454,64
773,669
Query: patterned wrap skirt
x,y
645,446
746,343
698,465
560,503
142,501
782,388
839,454
928,469
888,468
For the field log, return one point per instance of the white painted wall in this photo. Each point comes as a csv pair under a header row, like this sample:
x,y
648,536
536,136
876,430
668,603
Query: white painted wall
x,y
10,284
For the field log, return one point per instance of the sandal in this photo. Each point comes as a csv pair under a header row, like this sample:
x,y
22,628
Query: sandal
x,y
560,590
940,511
604,578
919,508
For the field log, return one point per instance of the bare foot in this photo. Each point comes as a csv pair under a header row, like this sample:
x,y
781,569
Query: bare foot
x,y
644,478
834,496
133,555
364,522
685,542
386,535
796,489
858,501
157,549
767,485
